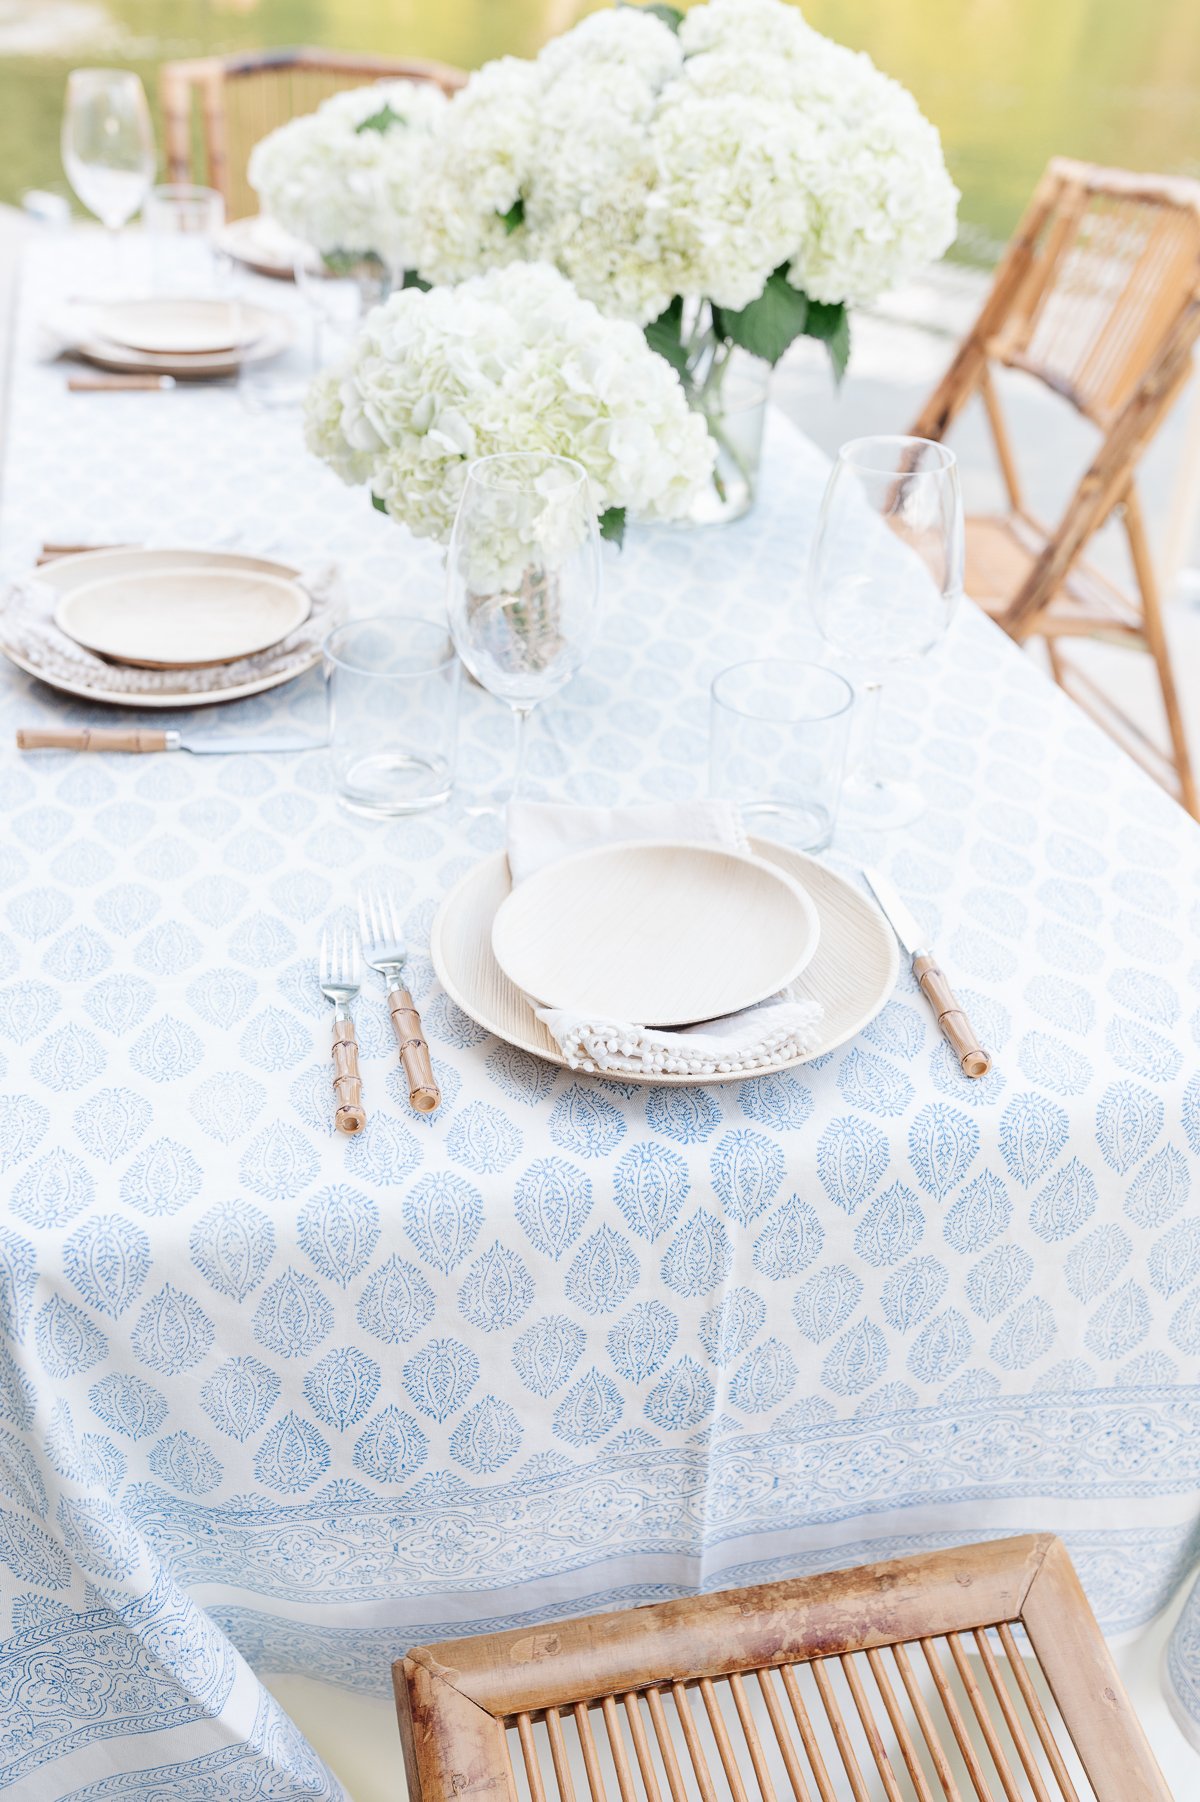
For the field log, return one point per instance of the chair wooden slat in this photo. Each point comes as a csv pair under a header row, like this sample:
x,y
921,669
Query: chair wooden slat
x,y
641,1746
720,1733
591,1758
841,1733
783,1738
463,1703
1098,298
558,1752
616,1746
904,1739
925,1721
666,1745
883,1763
808,1736
991,1738
1037,1714
958,1726
692,1741
533,1768
754,1745
1012,1719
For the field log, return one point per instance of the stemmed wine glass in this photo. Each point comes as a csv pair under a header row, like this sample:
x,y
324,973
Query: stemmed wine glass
x,y
523,579
884,578
108,146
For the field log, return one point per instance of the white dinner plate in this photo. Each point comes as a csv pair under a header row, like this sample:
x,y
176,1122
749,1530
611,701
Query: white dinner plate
x,y
852,973
262,244
660,934
76,330
171,612
64,574
180,326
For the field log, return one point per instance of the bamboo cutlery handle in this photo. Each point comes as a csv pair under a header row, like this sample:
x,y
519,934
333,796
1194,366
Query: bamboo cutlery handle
x,y
347,1085
90,738
972,1058
423,1091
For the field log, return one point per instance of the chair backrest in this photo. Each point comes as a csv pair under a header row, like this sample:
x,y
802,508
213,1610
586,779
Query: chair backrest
x,y
215,109
1090,293
737,1693
1098,296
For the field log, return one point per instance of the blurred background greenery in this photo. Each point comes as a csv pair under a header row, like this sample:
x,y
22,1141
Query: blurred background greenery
x,y
1008,82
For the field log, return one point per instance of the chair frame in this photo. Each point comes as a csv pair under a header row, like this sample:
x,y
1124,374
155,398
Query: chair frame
x,y
456,1700
208,78
1061,597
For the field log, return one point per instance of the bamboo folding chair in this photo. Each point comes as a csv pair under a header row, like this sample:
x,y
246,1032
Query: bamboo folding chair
x,y
215,109
1098,296
793,1689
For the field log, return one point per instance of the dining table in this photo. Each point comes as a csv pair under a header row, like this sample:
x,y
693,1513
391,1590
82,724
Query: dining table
x,y
274,1399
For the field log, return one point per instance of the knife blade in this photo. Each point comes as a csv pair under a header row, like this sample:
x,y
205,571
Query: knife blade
x,y
955,1026
143,738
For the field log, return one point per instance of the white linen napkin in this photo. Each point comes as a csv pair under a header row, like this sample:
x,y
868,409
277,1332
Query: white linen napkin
x,y
539,833
27,626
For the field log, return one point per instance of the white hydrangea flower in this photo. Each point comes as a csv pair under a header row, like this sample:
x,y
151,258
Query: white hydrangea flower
x,y
510,360
646,164
343,187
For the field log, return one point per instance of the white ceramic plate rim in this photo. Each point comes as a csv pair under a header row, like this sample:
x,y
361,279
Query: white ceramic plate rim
x,y
238,336
157,699
787,973
80,340
879,996
161,568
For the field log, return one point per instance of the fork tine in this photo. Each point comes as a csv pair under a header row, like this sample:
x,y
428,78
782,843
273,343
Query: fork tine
x,y
393,924
363,923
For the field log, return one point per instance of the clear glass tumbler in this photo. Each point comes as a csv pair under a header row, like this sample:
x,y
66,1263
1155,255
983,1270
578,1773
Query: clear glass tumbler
x,y
183,226
393,684
778,731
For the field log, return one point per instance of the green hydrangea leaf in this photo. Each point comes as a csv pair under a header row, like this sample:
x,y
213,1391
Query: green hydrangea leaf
x,y
515,216
383,120
769,324
671,16
830,322
380,506
665,335
612,525
413,280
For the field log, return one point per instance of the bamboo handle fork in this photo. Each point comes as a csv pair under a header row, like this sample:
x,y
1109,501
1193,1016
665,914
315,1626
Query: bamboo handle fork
x,y
386,952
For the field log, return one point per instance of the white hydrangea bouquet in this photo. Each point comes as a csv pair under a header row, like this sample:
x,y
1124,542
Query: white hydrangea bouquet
x,y
727,179
511,360
346,179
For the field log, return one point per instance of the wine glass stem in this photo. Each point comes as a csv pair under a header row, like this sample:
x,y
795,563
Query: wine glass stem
x,y
116,258
521,738
872,695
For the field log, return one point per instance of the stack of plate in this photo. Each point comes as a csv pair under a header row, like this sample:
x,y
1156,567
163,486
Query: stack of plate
x,y
663,935
164,611
187,339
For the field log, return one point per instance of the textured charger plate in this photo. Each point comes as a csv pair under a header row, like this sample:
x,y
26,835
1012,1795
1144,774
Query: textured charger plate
x,y
161,610
665,934
180,326
852,974
67,572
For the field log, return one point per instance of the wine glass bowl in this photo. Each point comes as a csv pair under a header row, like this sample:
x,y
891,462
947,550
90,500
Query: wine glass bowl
x,y
523,577
885,576
108,143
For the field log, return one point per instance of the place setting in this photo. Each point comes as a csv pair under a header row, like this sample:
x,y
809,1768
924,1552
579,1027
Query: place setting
x,y
141,627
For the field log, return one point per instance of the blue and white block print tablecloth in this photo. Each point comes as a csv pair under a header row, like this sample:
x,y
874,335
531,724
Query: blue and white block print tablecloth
x,y
271,1400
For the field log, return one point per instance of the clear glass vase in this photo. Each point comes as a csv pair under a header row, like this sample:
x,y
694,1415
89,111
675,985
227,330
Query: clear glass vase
x,y
729,387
